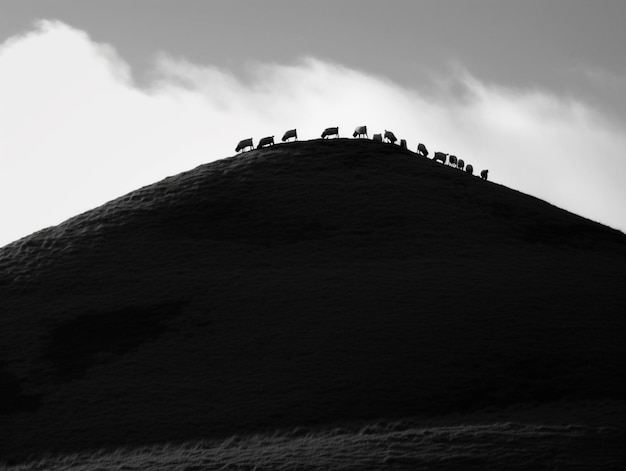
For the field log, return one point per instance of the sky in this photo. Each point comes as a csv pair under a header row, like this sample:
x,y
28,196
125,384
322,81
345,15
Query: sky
x,y
101,97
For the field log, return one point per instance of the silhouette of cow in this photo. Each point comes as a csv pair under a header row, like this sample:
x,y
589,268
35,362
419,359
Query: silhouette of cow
x,y
460,164
391,137
403,143
292,133
421,150
470,169
360,131
484,174
440,156
452,160
266,141
330,132
244,144
377,137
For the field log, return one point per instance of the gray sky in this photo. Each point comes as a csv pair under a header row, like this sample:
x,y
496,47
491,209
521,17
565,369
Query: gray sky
x,y
525,60
556,44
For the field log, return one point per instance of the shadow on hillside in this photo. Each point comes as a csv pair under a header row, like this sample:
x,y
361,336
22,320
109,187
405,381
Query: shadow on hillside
x,y
74,344
13,399
574,235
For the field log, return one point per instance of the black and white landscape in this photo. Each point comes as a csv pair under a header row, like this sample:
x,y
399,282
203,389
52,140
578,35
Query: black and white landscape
x,y
322,304
171,300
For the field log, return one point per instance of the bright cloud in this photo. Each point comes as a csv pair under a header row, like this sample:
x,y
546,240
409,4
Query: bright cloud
x,y
76,131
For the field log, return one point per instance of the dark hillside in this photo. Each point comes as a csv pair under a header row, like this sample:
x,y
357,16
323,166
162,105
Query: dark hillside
x,y
307,283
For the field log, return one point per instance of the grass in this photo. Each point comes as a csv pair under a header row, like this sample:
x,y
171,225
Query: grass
x,y
300,285
374,445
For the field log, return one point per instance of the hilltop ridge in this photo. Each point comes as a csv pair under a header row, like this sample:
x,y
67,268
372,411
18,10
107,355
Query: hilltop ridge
x,y
324,166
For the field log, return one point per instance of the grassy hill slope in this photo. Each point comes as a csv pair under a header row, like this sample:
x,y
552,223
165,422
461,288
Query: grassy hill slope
x,y
307,283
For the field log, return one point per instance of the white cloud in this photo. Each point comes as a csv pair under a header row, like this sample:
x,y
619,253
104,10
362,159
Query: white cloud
x,y
76,131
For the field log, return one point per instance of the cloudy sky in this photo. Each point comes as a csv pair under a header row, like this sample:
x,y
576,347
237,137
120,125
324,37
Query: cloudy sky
x,y
100,97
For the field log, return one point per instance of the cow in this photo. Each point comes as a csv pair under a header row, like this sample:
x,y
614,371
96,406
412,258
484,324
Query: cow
x,y
391,137
403,143
460,164
440,156
360,131
292,133
452,160
377,137
469,169
244,144
266,141
483,174
421,150
331,132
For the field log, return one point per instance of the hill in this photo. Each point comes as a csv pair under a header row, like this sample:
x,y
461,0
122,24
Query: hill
x,y
304,284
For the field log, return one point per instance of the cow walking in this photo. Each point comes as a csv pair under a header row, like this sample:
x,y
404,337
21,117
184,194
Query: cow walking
x,y
390,137
328,132
244,144
266,141
291,134
360,131
421,150
440,156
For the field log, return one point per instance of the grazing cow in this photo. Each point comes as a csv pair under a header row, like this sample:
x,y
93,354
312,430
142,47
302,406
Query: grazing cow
x,y
292,133
244,144
452,160
360,131
469,169
403,143
391,137
421,150
266,141
483,174
460,164
331,132
440,156
378,137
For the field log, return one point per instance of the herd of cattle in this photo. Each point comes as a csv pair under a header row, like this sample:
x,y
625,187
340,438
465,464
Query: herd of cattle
x,y
361,132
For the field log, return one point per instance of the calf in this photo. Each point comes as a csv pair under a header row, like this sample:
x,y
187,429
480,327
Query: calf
x,y
377,137
330,132
360,131
483,174
292,133
469,169
266,141
452,160
460,164
403,143
244,144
